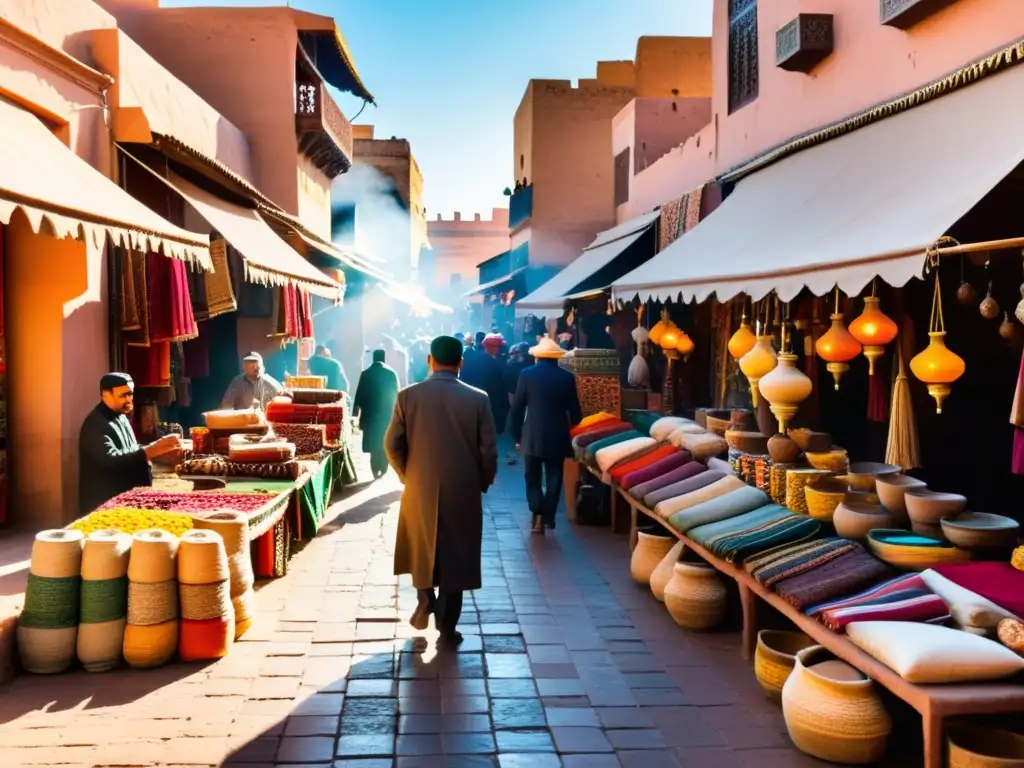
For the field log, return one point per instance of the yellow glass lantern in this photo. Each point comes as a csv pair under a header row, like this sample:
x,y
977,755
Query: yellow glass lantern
x,y
757,363
937,366
743,340
874,329
785,387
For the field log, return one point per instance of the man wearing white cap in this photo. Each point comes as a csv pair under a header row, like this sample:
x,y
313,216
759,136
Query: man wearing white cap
x,y
253,387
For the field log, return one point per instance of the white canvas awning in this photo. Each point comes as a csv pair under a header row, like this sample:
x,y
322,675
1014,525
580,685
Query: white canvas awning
x,y
607,246
866,204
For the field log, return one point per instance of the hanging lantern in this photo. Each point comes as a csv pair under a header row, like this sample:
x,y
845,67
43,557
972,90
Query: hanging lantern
x,y
937,366
837,347
668,339
743,340
757,363
659,327
874,329
785,387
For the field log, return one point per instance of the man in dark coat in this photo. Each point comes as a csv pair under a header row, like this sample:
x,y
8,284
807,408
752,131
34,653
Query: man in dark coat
x,y
374,403
322,364
441,443
546,399
110,459
482,370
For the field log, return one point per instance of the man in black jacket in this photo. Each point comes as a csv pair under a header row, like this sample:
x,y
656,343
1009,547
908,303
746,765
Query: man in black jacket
x,y
547,401
110,459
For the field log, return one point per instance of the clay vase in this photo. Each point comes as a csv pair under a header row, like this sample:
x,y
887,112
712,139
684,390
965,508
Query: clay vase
x,y
833,711
662,573
650,550
785,387
891,492
782,449
853,520
775,657
695,596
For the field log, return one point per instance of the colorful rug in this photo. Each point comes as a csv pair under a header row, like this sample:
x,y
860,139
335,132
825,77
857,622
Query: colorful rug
x,y
905,598
652,472
774,565
847,574
725,507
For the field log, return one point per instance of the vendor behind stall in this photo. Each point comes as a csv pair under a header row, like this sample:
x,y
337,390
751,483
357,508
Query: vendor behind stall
x,y
252,386
110,459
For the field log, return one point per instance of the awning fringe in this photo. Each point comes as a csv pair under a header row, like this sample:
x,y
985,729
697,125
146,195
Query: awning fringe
x,y
260,276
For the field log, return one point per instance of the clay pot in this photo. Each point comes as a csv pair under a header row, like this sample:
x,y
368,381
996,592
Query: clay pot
x,y
931,530
862,474
775,657
650,550
695,596
924,506
853,520
891,489
833,711
974,745
783,450
747,442
966,294
989,307
815,442
662,573
981,531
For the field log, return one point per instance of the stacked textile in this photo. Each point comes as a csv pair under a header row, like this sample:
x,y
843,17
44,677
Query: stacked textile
x,y
709,485
999,583
905,598
848,574
687,478
674,469
740,537
673,460
600,431
624,469
590,451
611,457
729,505
588,422
773,565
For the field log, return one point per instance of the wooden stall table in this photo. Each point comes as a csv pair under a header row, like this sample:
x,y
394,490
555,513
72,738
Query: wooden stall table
x,y
933,702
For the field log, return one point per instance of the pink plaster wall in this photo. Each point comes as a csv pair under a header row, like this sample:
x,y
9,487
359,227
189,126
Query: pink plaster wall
x,y
459,244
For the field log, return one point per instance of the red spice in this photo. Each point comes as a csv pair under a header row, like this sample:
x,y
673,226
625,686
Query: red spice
x,y
191,503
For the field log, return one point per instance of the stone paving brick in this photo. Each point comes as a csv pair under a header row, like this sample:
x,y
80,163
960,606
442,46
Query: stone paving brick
x,y
566,662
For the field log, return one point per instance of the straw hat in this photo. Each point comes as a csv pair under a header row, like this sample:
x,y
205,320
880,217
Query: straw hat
x,y
547,348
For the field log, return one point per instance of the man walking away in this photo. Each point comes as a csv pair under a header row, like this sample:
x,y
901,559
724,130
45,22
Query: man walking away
x,y
441,443
518,361
374,403
546,398
322,364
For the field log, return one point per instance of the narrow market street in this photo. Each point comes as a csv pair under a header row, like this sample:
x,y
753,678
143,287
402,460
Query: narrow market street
x,y
565,662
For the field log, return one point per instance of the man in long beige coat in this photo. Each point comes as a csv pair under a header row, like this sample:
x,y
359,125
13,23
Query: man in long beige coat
x,y
441,442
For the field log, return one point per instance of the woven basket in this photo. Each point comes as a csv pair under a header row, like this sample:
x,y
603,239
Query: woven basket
x,y
822,497
832,711
777,481
662,573
695,596
775,656
796,481
975,745
836,460
650,550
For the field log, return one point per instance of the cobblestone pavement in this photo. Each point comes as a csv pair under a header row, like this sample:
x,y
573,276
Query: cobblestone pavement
x,y
566,662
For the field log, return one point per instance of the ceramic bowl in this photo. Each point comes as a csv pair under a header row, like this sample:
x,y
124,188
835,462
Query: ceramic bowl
x,y
862,474
862,497
924,506
981,530
747,442
891,490
853,520
913,552
783,450
835,460
931,530
815,442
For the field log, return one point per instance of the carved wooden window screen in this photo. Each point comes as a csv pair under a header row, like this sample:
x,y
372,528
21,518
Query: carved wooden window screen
x,y
622,177
743,69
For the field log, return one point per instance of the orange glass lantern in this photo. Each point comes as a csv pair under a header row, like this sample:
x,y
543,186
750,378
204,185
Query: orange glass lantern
x,y
937,366
743,340
837,347
757,363
658,329
874,329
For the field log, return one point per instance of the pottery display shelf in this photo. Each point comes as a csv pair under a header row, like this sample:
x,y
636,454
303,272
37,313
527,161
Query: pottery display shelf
x,y
934,703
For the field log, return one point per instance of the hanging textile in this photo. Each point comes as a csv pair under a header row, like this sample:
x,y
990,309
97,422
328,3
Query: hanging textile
x,y
220,295
170,308
135,270
679,216
197,354
150,366
306,314
129,302
197,294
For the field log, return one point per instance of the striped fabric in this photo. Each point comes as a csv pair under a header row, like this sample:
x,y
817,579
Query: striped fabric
x,y
905,598
779,563
764,528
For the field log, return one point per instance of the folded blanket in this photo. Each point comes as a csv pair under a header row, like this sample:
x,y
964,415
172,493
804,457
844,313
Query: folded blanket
x,y
905,598
601,426
702,446
708,534
642,420
999,583
847,574
771,566
653,472
670,507
600,432
687,428
626,468
721,465
590,450
689,477
590,421
728,505
665,426
623,450
787,529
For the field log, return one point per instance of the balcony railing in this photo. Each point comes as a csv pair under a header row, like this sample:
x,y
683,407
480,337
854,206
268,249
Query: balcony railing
x,y
520,207
325,135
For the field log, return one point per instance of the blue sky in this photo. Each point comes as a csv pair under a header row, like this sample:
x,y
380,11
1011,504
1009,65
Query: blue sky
x,y
449,74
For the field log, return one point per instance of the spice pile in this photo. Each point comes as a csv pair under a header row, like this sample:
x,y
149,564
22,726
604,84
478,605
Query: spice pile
x,y
128,520
194,503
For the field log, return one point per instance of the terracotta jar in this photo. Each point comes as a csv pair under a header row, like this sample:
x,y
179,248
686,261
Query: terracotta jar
x,y
853,520
695,596
833,711
662,573
775,657
650,550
